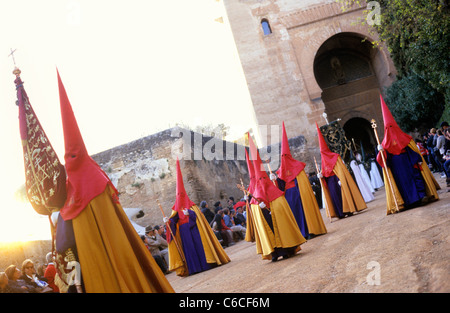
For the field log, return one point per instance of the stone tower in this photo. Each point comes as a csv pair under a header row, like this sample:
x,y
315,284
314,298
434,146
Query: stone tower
x,y
303,58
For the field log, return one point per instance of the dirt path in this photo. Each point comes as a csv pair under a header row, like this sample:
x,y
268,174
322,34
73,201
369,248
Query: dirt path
x,y
406,252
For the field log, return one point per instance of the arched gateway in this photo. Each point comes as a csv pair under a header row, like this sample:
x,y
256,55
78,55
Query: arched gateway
x,y
345,70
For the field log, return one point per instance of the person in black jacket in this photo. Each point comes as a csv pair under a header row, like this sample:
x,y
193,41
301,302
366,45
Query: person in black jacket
x,y
17,284
31,277
209,215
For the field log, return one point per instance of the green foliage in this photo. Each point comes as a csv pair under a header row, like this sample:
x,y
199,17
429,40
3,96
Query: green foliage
x,y
417,34
414,103
137,185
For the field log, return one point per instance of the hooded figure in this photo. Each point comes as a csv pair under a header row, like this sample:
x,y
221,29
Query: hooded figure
x,y
277,233
298,192
363,184
193,247
112,256
407,174
375,177
341,194
364,173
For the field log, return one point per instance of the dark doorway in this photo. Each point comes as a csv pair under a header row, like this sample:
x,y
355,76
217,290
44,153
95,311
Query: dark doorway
x,y
360,132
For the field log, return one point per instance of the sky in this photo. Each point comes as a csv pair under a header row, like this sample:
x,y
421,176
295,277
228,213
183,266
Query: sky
x,y
130,69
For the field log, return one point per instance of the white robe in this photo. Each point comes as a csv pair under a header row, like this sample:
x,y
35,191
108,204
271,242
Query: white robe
x,y
375,177
362,185
366,177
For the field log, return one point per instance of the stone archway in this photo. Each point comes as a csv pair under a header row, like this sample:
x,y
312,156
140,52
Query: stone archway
x,y
345,69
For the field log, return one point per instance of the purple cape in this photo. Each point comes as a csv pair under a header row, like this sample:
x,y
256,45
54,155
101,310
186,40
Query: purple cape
x,y
191,241
294,200
409,181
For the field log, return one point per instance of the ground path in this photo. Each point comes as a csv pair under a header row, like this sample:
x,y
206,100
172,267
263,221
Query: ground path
x,y
409,250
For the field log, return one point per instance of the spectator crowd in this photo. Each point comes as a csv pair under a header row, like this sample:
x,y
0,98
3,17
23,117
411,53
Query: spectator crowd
x,y
435,148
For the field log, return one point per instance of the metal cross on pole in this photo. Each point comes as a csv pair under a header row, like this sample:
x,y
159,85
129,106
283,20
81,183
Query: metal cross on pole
x,y
12,55
16,69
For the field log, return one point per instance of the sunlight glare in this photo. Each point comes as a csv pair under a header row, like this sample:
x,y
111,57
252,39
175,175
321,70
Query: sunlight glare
x,y
20,223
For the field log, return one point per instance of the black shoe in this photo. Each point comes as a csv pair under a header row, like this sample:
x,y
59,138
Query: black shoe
x,y
274,258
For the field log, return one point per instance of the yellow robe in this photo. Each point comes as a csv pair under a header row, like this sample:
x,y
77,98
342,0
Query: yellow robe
x,y
285,234
431,185
352,200
214,251
112,256
250,229
311,210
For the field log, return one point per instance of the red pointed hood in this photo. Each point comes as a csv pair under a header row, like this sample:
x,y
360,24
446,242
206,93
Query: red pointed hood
x,y
395,140
264,190
289,167
182,200
328,158
85,178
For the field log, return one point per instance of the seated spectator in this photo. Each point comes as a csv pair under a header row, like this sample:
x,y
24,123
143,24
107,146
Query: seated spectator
x,y
446,159
217,207
226,233
40,269
158,245
209,215
30,276
161,230
244,208
50,272
230,203
217,233
159,260
240,218
422,149
226,217
237,230
4,286
17,284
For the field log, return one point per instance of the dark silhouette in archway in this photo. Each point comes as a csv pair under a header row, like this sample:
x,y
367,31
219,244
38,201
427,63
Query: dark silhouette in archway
x,y
360,132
